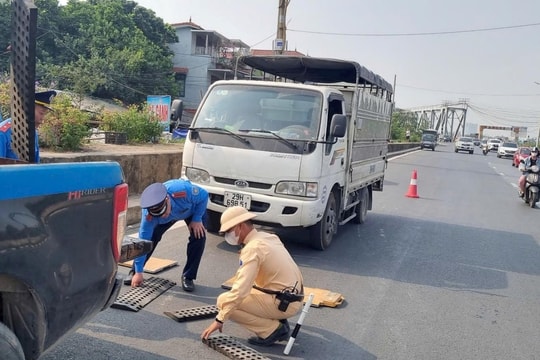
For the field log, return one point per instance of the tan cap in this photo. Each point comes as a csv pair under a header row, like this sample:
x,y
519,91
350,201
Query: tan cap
x,y
234,216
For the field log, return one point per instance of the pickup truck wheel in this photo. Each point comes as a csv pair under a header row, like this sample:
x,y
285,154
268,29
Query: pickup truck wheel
x,y
10,347
212,221
321,234
362,207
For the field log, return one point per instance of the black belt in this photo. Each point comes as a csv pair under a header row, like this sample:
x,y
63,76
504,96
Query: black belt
x,y
291,297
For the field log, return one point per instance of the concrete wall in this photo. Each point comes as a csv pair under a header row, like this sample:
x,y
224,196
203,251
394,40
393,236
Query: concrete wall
x,y
140,169
143,166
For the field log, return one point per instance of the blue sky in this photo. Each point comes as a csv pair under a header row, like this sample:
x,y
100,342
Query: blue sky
x,y
495,70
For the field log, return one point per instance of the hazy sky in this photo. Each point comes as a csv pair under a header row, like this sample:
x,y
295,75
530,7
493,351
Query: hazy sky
x,y
495,70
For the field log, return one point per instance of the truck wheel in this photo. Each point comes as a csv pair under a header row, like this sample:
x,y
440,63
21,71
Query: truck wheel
x,y
10,347
362,207
321,234
213,221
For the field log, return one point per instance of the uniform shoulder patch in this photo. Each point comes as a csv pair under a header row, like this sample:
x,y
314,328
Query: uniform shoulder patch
x,y
195,190
179,194
5,127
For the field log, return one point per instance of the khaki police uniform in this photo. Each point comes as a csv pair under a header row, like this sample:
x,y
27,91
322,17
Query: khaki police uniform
x,y
266,263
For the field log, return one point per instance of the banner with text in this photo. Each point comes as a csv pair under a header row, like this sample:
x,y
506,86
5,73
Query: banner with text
x,y
161,106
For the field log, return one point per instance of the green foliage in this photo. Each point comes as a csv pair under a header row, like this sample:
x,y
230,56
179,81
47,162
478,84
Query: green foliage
x,y
66,127
140,126
401,122
105,48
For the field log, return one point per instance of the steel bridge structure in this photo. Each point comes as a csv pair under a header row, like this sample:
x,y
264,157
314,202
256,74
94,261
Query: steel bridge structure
x,y
447,119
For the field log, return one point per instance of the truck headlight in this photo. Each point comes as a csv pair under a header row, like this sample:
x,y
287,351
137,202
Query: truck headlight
x,y
198,175
298,188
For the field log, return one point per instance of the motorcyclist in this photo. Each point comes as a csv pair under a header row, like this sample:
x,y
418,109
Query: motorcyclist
x,y
528,162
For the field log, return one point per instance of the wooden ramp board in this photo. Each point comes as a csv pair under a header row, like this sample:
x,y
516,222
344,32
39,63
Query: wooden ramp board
x,y
153,265
232,348
321,297
137,298
196,313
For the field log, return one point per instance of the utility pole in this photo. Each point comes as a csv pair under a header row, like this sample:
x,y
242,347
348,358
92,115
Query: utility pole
x,y
280,44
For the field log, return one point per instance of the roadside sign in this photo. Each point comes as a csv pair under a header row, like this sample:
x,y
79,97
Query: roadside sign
x,y
161,106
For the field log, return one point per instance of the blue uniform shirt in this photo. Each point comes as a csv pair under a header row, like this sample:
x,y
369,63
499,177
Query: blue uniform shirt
x,y
5,142
187,200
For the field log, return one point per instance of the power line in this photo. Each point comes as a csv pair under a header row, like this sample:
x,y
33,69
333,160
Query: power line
x,y
416,34
464,93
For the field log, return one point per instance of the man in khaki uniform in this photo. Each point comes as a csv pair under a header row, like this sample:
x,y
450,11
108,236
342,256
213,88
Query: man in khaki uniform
x,y
268,286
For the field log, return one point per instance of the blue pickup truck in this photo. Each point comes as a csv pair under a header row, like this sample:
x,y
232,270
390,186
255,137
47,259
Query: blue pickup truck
x,y
61,238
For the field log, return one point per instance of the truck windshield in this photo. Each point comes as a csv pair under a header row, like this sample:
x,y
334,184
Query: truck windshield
x,y
262,111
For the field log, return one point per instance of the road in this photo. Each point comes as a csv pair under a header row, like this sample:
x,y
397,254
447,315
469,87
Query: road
x,y
454,274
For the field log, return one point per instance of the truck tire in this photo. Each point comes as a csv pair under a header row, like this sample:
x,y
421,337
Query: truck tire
x,y
10,347
213,221
322,233
361,208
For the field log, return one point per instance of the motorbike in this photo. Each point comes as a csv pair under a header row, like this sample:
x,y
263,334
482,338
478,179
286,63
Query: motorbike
x,y
532,184
485,149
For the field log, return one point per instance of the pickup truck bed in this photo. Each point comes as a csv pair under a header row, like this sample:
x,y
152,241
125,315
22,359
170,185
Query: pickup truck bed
x,y
61,232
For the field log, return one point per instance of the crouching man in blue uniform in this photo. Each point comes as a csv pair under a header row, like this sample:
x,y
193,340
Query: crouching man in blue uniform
x,y
42,107
163,204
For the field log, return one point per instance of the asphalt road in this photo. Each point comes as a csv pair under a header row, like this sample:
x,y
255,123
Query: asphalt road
x,y
453,274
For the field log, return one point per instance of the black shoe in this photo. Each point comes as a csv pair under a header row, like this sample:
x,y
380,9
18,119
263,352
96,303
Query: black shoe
x,y
127,279
280,334
187,284
521,194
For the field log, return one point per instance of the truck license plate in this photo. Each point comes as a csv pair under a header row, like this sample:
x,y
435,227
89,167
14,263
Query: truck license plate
x,y
236,199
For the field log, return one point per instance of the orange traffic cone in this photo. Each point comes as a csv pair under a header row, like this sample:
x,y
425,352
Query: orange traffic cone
x,y
412,187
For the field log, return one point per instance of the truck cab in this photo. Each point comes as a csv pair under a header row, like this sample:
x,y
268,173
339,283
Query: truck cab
x,y
296,154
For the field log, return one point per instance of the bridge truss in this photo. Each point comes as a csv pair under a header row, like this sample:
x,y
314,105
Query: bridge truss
x,y
447,119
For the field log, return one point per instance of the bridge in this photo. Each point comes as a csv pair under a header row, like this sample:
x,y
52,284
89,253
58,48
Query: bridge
x,y
447,119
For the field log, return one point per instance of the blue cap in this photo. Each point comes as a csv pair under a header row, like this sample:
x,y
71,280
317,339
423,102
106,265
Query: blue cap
x,y
45,98
153,195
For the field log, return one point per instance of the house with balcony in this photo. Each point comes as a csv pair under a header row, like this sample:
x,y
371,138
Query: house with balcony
x,y
202,57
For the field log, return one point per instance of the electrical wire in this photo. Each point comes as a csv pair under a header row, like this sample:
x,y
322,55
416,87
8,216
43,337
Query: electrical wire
x,y
430,33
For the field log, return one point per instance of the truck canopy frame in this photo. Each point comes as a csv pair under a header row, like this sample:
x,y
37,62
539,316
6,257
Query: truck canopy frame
x,y
318,70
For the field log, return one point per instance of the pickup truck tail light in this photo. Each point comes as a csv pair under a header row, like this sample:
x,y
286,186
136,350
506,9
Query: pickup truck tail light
x,y
120,208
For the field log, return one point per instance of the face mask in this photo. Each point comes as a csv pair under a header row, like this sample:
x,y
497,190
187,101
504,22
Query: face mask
x,y
231,238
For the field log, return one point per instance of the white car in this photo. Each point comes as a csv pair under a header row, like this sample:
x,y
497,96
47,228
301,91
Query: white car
x,y
493,144
507,149
464,144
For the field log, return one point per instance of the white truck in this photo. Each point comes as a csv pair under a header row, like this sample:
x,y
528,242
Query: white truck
x,y
307,152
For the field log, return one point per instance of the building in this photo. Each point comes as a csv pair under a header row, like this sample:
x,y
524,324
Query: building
x,y
202,57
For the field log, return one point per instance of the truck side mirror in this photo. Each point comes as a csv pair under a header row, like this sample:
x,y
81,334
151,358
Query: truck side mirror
x,y
177,107
338,126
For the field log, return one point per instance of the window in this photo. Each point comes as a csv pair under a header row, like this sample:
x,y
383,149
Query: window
x,y
181,80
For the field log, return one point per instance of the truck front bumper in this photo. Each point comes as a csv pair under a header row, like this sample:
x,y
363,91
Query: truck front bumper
x,y
273,210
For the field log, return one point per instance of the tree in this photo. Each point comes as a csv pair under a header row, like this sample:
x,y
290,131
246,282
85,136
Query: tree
x,y
401,122
107,48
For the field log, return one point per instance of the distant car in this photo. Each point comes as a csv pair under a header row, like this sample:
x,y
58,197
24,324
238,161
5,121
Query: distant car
x,y
521,154
493,144
506,149
447,138
477,142
429,141
464,144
